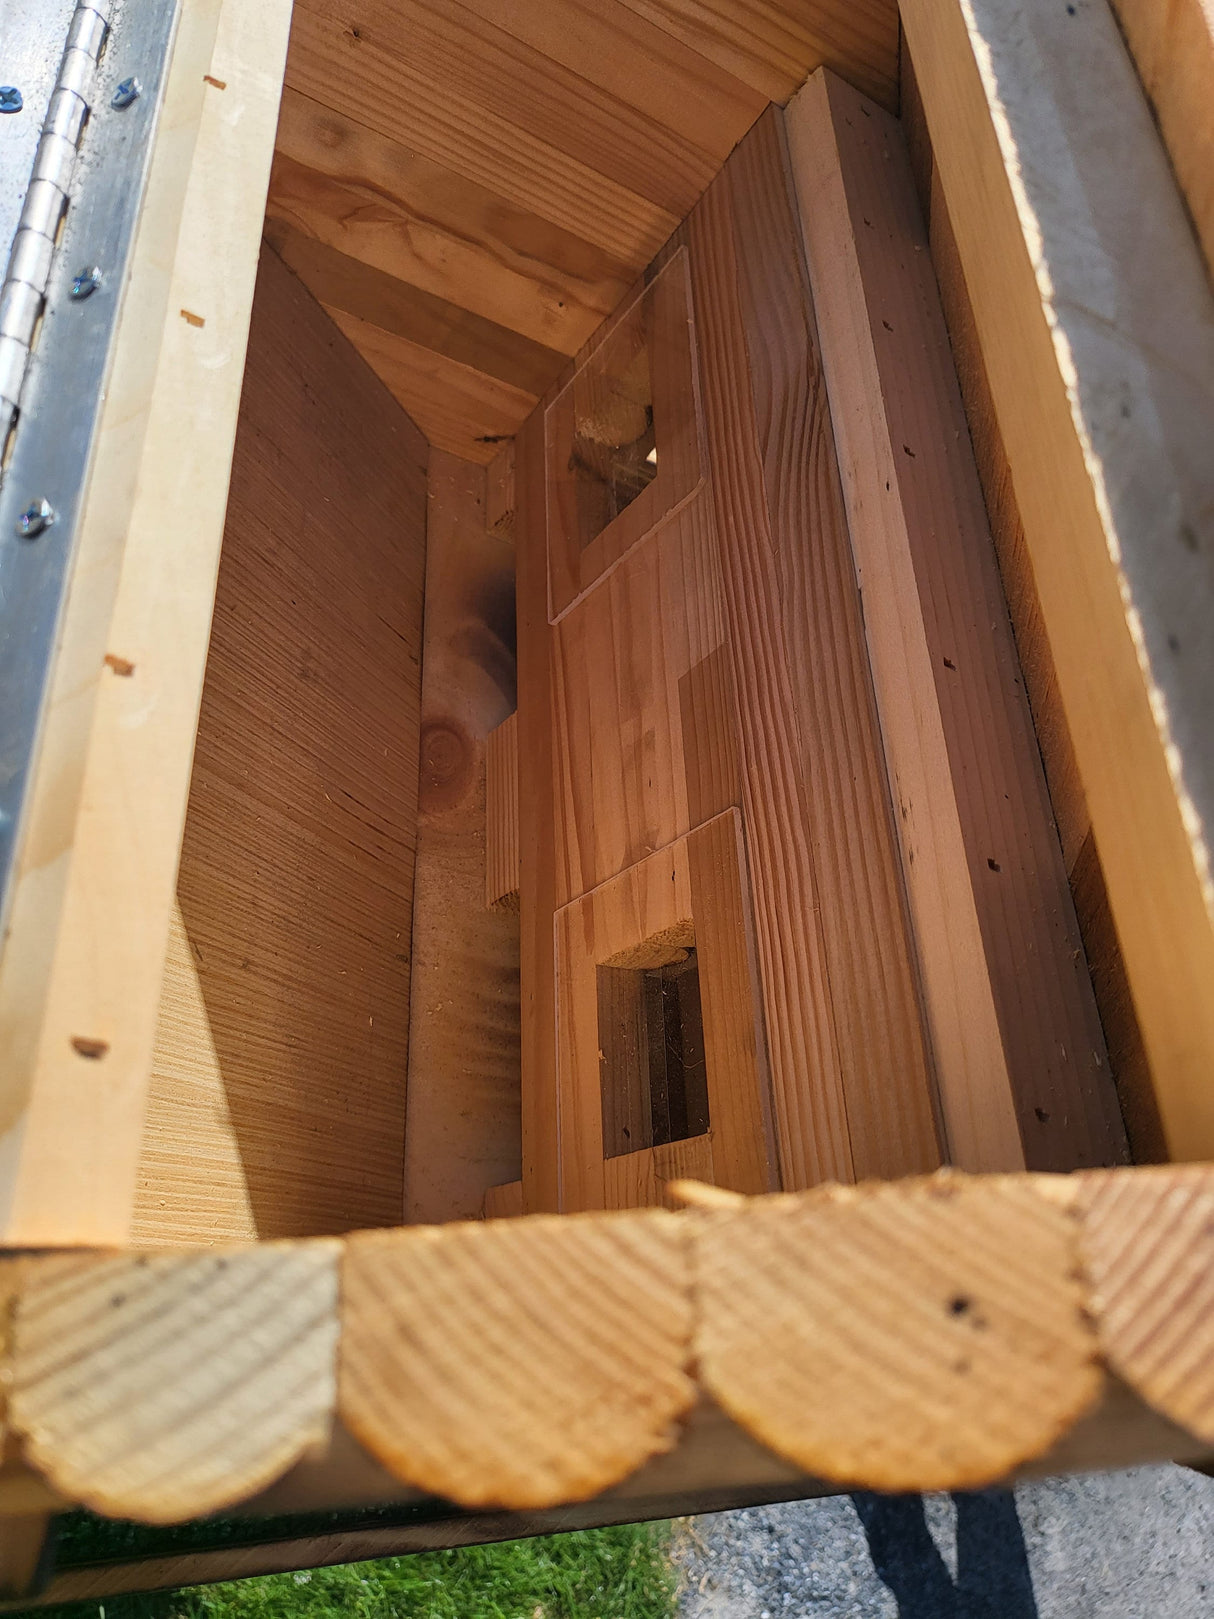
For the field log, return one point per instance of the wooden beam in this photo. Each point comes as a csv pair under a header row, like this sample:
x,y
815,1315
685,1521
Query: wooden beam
x,y
462,1129
80,977
1066,216
1020,1053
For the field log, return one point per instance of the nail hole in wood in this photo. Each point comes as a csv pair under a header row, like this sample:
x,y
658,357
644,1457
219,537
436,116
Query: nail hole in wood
x,y
84,1046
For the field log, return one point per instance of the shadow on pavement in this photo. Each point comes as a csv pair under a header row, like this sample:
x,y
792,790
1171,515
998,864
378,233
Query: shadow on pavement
x,y
993,1580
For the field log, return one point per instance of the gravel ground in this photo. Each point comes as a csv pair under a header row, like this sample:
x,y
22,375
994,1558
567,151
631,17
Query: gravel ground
x,y
1129,1545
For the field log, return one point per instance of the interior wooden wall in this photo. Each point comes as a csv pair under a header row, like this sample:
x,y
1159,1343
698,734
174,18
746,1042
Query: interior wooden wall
x,y
278,1093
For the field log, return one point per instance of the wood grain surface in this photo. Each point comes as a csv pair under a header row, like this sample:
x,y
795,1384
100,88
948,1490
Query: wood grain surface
x,y
1090,369
287,980
89,918
519,159
935,1333
165,1387
1021,1059
501,815
462,1129
1173,50
525,1361
851,1082
1123,1038
693,892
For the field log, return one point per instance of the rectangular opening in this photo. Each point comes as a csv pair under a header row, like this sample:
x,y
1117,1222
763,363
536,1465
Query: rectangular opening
x,y
652,1063
613,454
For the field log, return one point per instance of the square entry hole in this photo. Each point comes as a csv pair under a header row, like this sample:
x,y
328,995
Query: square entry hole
x,y
652,1067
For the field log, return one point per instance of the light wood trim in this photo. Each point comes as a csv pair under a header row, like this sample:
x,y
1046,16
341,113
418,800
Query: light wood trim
x,y
537,827
462,1118
1020,1054
1066,218
80,978
501,815
934,1333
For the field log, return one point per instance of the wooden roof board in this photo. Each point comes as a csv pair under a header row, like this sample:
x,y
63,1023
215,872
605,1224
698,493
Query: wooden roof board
x,y
469,188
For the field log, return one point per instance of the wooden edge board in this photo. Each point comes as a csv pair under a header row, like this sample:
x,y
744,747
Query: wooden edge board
x,y
942,1332
82,966
1095,316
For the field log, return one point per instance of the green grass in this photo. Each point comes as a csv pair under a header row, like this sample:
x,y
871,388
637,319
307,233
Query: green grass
x,y
615,1573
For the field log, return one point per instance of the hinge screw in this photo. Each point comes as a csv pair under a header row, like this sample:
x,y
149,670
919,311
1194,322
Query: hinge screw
x,y
128,91
86,283
35,519
11,99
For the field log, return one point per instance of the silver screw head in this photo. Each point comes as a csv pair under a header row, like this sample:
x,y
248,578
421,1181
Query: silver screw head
x,y
35,519
85,284
11,99
128,91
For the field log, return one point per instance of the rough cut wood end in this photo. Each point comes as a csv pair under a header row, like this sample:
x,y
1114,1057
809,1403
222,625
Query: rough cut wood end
x,y
937,1333
520,1363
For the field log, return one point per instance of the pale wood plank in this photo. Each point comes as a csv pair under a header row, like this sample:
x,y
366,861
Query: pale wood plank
x,y
372,198
774,45
90,915
1064,211
287,977
930,1331
399,98
465,412
888,1084
501,815
518,1362
462,1133
1173,49
499,493
166,1387
1020,1053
